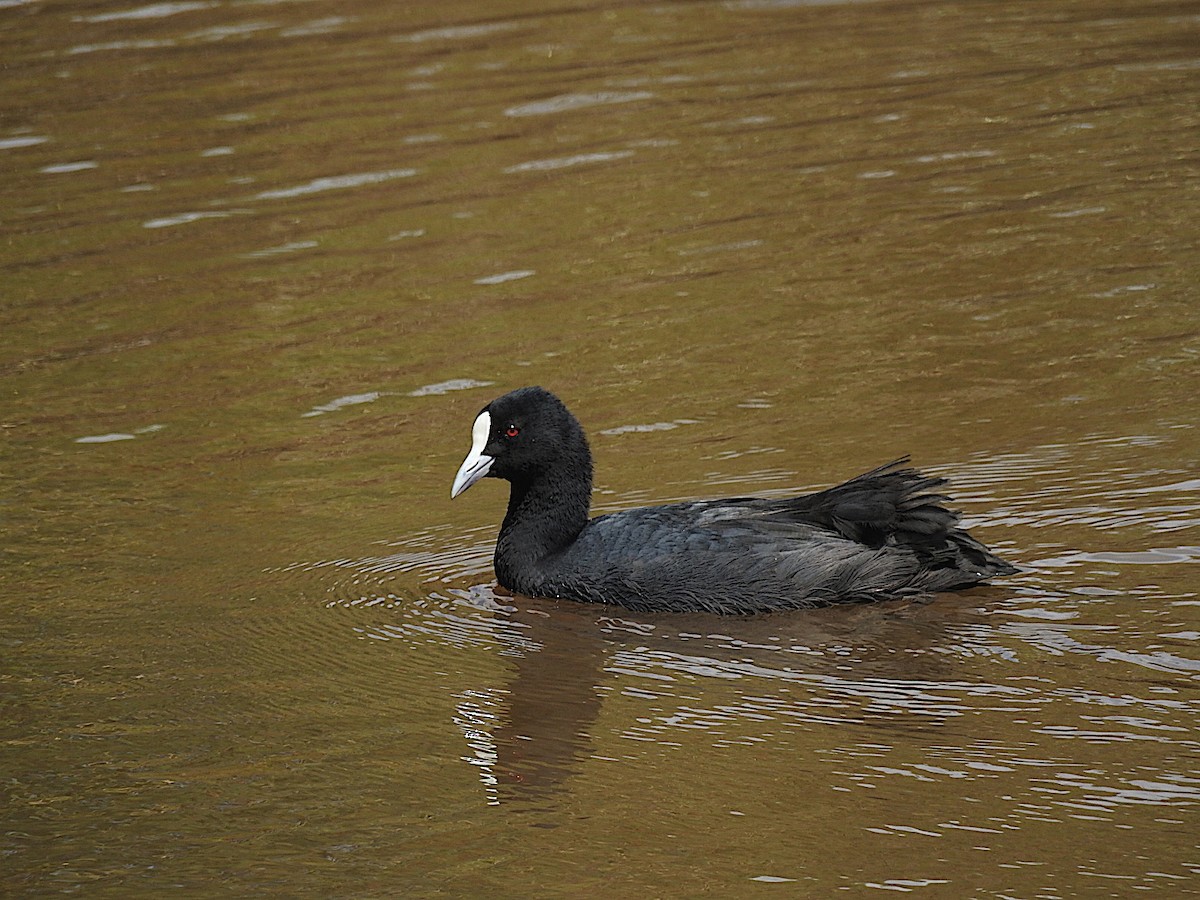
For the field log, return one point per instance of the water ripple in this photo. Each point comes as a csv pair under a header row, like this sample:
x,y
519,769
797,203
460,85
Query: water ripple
x,y
566,162
335,182
571,102
14,143
189,217
456,32
152,11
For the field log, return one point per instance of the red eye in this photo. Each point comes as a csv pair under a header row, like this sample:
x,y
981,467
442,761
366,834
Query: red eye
x,y
512,431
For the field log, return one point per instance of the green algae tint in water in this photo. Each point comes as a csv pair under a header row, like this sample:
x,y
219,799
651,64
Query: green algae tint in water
x,y
264,263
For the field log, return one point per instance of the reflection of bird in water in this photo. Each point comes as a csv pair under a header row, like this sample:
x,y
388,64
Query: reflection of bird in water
x,y
882,667
542,734
879,536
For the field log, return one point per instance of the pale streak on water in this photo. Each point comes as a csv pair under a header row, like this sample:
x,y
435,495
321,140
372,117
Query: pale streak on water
x,y
263,263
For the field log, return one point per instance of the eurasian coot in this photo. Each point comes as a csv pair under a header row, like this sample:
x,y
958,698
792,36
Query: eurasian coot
x,y
879,536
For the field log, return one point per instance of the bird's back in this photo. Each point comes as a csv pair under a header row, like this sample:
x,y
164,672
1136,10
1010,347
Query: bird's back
x,y
882,535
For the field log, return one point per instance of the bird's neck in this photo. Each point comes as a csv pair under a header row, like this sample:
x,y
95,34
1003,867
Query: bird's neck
x,y
545,515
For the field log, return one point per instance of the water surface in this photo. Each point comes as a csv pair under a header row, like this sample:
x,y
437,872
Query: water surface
x,y
263,263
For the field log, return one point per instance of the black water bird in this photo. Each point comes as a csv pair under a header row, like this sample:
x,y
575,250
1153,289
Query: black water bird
x,y
883,535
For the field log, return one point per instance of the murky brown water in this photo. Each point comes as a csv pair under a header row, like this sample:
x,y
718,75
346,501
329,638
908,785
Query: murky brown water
x,y
263,262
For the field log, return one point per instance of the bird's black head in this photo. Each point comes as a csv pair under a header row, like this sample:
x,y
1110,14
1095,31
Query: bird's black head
x,y
522,436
